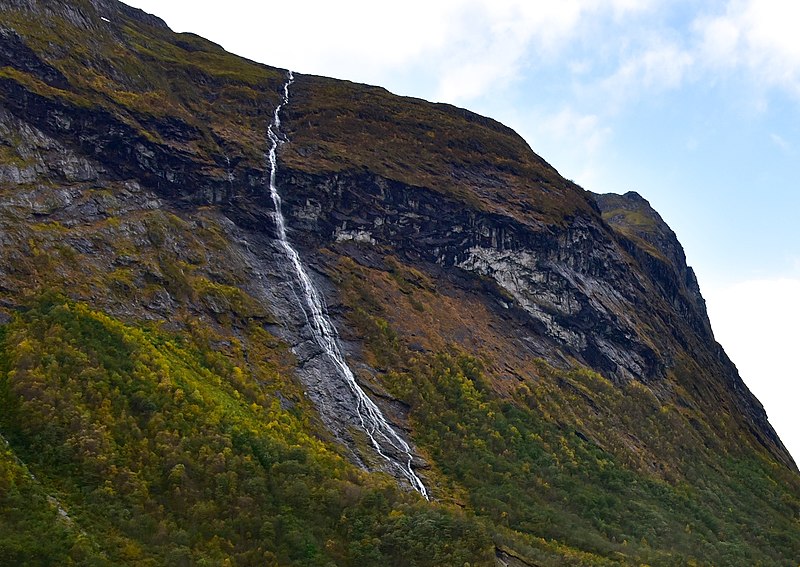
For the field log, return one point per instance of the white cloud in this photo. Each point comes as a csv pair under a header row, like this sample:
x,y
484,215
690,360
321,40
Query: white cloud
x,y
465,48
758,35
756,323
496,39
508,35
659,67
584,130
352,39
622,7
781,143
664,67
719,41
461,50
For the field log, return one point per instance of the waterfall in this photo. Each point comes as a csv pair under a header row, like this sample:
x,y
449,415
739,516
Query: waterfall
x,y
384,438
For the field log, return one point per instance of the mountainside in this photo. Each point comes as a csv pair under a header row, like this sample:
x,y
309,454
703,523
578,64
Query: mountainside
x,y
256,318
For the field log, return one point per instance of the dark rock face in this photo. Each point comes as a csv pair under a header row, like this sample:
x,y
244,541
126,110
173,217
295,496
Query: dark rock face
x,y
14,52
120,147
573,283
655,246
597,295
644,235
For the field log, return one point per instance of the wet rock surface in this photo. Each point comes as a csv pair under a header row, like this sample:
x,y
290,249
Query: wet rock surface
x,y
270,281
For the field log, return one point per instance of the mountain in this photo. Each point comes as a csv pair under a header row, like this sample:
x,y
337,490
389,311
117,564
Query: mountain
x,y
256,318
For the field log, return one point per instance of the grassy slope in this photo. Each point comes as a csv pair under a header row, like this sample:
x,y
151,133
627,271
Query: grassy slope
x,y
336,125
634,219
565,456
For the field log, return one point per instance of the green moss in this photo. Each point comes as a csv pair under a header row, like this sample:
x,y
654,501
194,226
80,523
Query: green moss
x,y
225,299
33,84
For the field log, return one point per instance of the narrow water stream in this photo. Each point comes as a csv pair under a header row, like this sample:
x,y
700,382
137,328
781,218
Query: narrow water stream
x,y
385,440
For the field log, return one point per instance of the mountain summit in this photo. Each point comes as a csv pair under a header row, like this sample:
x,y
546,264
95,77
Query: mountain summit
x,y
250,317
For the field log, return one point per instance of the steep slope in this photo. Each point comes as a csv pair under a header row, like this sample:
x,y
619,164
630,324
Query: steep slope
x,y
164,397
644,235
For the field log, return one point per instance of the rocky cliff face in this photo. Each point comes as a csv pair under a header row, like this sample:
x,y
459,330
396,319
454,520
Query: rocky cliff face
x,y
646,236
572,282
622,305
546,350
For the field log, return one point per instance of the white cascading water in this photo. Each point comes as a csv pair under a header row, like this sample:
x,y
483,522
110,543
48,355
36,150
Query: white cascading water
x,y
372,420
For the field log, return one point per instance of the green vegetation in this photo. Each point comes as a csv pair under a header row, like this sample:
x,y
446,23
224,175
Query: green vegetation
x,y
162,451
32,531
636,220
566,461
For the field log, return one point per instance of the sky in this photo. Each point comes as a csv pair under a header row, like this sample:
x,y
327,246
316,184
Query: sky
x,y
694,104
